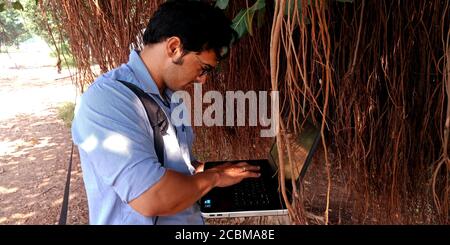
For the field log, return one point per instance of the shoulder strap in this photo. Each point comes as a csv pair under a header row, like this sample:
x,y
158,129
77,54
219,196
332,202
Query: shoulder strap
x,y
157,119
156,116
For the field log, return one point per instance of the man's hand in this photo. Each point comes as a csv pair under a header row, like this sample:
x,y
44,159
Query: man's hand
x,y
175,192
230,174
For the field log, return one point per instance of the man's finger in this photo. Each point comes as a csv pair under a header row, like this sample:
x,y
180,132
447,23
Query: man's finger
x,y
248,167
252,168
242,164
250,174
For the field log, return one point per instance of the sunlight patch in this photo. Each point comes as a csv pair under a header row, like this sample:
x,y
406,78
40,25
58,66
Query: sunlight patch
x,y
4,190
22,216
89,144
117,143
9,147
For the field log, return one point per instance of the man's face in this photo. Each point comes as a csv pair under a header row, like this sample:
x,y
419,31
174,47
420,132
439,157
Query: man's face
x,y
193,67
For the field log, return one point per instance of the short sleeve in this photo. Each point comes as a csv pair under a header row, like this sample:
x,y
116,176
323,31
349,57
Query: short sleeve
x,y
111,127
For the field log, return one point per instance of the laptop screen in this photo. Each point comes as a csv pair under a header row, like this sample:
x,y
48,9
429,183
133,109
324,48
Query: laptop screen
x,y
261,196
302,145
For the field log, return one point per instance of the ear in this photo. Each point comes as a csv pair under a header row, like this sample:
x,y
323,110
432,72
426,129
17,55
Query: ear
x,y
174,47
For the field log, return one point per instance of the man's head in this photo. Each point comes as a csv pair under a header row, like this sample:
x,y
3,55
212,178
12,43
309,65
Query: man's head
x,y
193,37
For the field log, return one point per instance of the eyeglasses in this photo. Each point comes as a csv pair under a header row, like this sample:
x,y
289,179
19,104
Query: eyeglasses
x,y
207,69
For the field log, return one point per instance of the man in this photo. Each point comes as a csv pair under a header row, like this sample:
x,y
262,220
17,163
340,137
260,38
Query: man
x,y
125,183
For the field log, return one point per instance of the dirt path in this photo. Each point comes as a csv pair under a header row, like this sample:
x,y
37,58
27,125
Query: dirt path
x,y
34,144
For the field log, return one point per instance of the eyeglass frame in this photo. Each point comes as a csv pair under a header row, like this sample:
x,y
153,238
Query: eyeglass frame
x,y
205,71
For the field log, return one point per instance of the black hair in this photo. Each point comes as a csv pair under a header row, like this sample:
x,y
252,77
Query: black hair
x,y
199,26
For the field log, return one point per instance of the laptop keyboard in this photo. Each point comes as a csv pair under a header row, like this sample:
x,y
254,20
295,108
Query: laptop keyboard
x,y
251,193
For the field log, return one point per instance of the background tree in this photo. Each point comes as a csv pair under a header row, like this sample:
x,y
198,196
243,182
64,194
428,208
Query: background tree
x,y
12,27
40,21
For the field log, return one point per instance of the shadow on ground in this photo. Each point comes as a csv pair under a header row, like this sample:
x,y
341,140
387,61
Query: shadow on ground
x,y
35,152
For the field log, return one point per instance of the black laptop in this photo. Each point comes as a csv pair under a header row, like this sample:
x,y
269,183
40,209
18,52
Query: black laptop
x,y
261,196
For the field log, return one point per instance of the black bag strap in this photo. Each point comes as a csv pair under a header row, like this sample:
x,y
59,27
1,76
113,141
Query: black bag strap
x,y
65,203
156,116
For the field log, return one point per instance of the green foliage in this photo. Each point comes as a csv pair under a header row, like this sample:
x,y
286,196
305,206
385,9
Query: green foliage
x,y
35,20
17,5
243,22
222,4
12,28
66,112
10,5
38,22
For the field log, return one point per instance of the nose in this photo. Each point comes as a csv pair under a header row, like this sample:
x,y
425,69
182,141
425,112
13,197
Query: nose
x,y
202,79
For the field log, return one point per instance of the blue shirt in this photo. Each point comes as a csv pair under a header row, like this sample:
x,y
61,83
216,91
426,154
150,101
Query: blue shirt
x,y
115,142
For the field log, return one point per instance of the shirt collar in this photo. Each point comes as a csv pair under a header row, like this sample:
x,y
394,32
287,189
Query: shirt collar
x,y
146,81
140,71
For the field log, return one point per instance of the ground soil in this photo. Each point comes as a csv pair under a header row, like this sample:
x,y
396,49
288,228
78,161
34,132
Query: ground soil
x,y
35,145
